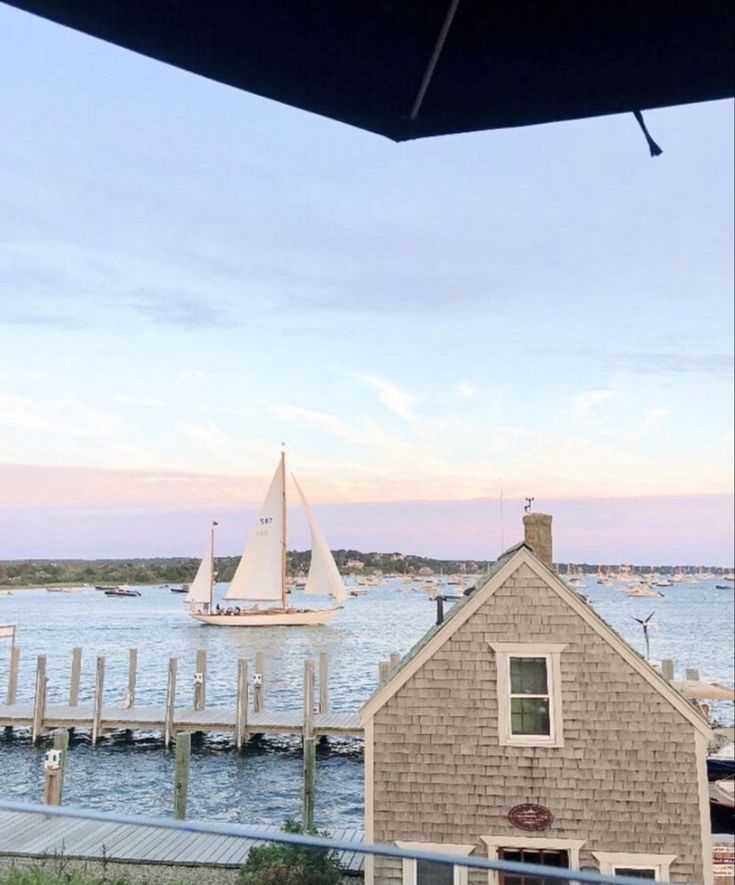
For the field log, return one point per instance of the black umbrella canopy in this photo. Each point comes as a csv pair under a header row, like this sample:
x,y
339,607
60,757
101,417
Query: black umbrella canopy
x,y
412,68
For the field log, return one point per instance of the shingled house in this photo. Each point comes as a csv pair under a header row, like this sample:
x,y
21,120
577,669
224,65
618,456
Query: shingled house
x,y
523,727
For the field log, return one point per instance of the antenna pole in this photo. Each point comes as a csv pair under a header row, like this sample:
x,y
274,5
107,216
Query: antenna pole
x,y
283,523
502,523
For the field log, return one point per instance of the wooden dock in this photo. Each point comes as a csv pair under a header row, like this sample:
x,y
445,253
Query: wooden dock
x,y
211,719
246,716
32,836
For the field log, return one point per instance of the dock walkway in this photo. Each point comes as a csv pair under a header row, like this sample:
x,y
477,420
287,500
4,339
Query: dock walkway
x,y
211,719
31,836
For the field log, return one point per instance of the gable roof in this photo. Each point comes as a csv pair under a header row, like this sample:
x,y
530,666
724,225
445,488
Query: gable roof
x,y
506,565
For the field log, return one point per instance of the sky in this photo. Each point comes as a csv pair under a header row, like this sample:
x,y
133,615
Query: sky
x,y
191,275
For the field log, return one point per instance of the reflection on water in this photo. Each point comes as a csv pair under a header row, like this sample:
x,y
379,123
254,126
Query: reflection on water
x,y
695,628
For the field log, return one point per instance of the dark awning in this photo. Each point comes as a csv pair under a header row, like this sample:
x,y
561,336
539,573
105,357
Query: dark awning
x,y
369,62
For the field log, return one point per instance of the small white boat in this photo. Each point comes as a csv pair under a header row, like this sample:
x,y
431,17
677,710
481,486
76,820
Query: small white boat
x,y
6,592
641,590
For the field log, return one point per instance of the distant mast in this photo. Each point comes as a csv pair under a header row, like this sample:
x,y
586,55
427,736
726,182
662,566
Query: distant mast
x,y
213,569
284,556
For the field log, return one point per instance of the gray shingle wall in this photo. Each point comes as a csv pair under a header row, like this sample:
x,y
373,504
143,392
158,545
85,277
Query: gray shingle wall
x,y
625,779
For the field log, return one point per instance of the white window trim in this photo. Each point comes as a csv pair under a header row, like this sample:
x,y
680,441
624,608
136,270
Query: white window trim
x,y
612,860
495,843
504,651
409,864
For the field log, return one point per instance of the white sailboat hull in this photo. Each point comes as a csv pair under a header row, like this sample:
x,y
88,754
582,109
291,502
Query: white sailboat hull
x,y
270,618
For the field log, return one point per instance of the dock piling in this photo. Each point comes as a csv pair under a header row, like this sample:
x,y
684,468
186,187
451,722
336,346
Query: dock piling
x,y
307,816
39,699
323,682
132,676
692,675
12,692
168,726
53,777
383,672
181,785
99,690
53,769
76,675
200,680
667,669
241,717
395,662
258,688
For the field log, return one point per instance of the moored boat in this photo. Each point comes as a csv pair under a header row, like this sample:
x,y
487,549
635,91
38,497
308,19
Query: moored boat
x,y
121,591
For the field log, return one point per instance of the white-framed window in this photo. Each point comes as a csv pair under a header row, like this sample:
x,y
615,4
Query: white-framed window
x,y
645,866
529,849
423,872
529,693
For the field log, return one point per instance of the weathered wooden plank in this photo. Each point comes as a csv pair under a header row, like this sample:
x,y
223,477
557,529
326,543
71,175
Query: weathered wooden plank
x,y
148,839
168,847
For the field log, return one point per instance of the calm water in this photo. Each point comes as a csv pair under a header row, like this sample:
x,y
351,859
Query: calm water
x,y
694,627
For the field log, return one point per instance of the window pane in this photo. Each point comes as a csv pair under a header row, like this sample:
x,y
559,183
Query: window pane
x,y
429,872
636,874
530,716
555,858
528,676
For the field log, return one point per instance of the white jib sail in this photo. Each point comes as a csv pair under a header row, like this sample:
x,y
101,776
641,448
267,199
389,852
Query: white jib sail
x,y
259,574
324,578
200,588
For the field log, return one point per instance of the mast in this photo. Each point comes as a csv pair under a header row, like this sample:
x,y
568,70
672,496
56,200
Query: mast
x,y
283,525
212,571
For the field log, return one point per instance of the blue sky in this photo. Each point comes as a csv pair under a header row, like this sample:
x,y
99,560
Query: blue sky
x,y
190,274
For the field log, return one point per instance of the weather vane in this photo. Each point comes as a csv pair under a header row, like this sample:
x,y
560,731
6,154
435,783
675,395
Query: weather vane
x,y
528,504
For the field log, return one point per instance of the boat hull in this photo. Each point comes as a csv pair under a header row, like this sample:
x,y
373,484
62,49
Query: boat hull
x,y
278,618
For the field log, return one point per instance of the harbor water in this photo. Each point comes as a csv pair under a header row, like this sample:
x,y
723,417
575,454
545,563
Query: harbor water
x,y
693,625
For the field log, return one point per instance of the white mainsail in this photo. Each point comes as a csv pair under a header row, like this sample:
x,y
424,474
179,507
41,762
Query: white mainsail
x,y
200,589
259,575
324,578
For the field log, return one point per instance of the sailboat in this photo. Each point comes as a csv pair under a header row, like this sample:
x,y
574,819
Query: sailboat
x,y
261,574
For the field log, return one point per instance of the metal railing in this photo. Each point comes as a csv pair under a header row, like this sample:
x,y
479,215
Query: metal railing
x,y
302,840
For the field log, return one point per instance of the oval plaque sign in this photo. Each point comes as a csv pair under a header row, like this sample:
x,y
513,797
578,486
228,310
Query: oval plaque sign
x,y
530,817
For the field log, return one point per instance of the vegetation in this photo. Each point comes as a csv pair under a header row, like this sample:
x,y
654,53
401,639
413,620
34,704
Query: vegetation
x,y
277,864
58,876
178,570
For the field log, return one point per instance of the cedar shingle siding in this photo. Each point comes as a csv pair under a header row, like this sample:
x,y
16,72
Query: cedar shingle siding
x,y
624,781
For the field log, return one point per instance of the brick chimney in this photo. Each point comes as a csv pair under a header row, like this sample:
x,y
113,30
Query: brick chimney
x,y
537,531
